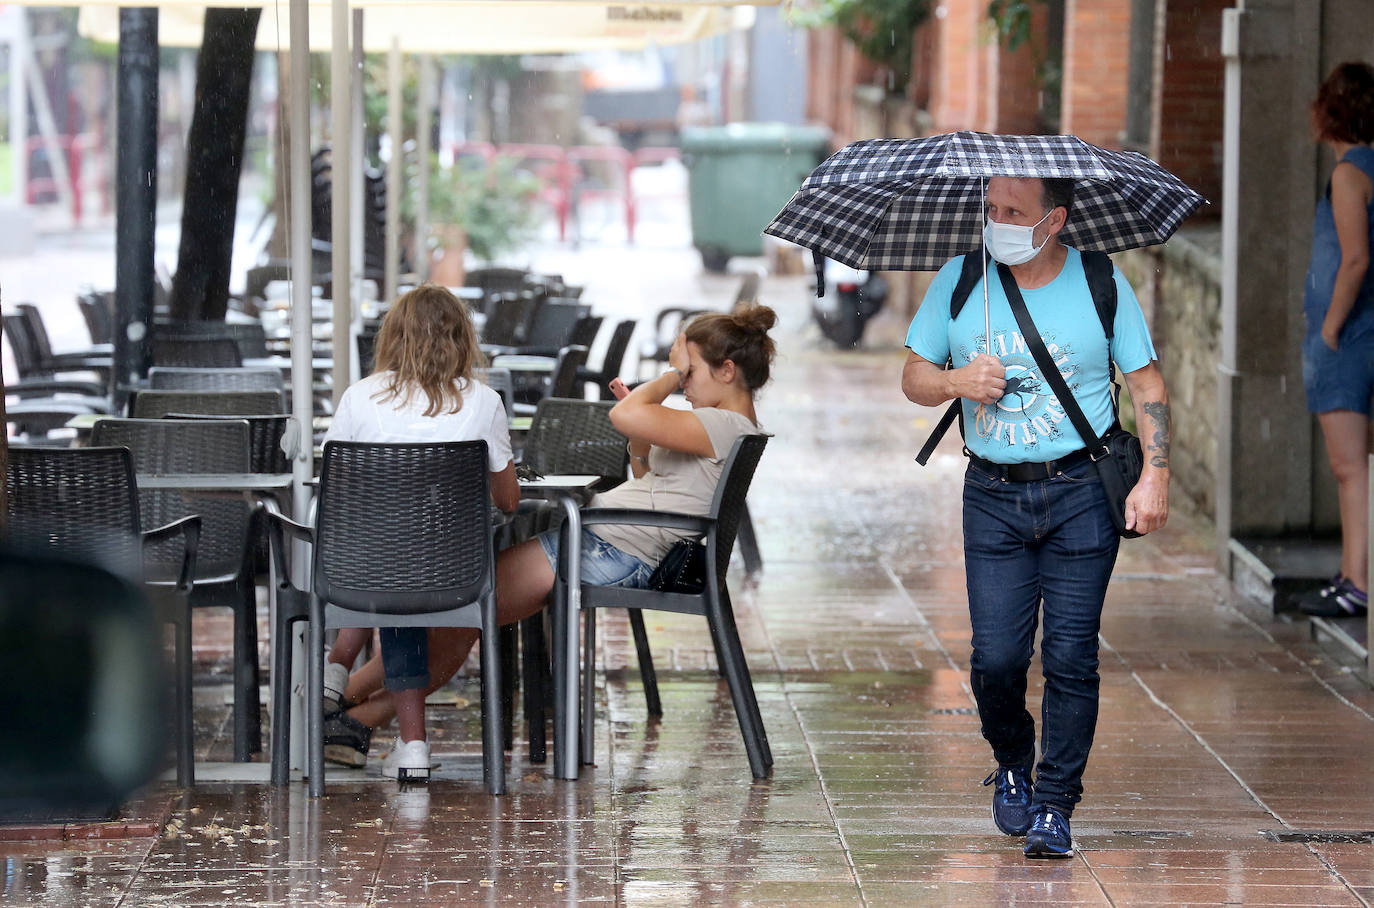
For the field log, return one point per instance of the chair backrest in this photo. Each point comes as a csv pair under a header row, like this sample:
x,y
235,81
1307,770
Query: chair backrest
x,y
38,332
206,352
585,331
184,378
265,454
367,351
748,293
564,380
162,446
26,360
78,502
404,528
554,322
249,336
509,320
156,404
500,381
577,436
497,280
98,311
613,363
727,507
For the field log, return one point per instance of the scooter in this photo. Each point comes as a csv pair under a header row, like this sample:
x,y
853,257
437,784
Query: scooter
x,y
851,298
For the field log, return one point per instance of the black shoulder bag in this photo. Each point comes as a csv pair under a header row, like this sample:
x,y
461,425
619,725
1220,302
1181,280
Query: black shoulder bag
x,y
682,570
1117,454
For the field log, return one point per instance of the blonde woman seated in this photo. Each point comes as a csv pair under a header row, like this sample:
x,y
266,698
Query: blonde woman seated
x,y
423,390
677,456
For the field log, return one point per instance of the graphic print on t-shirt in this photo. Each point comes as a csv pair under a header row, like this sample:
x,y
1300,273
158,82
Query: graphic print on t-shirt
x,y
1028,412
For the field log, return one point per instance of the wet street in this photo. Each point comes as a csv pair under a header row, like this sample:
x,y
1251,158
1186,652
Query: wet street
x,y
1231,765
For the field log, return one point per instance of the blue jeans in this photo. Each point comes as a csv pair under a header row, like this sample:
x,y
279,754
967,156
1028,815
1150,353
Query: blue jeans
x,y
1031,546
405,650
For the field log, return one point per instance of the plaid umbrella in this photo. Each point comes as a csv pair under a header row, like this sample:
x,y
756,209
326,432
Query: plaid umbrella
x,y
913,204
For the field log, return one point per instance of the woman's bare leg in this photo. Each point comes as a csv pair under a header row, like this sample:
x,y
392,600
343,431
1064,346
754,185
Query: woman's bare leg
x,y
524,580
1347,447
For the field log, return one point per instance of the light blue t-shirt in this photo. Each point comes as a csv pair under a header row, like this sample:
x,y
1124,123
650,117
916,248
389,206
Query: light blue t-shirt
x,y
1028,424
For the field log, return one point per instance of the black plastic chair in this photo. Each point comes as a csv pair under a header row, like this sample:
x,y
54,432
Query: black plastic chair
x,y
509,319
497,280
184,378
612,363
97,358
555,325
198,352
560,382
566,436
223,567
718,530
156,404
40,376
83,503
403,537
249,336
668,324
98,311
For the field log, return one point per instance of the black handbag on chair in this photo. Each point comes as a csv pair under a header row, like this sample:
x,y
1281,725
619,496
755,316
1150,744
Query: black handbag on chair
x,y
1117,453
682,570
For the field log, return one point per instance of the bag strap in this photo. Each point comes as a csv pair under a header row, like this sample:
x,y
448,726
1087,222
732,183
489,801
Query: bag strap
x,y
1048,369
970,273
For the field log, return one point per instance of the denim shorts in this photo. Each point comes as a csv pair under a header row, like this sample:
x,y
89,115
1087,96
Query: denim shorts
x,y
602,563
1338,379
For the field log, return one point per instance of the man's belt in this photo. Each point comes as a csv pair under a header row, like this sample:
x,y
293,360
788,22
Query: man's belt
x,y
1030,472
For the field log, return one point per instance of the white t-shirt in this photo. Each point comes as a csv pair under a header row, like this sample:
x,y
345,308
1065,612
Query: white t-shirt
x,y
675,481
366,413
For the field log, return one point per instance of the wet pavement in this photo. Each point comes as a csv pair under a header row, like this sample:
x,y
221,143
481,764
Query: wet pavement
x,y
1231,766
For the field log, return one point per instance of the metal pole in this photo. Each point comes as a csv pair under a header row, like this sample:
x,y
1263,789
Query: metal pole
x,y
395,170
423,124
302,465
1227,374
341,268
19,120
358,212
135,195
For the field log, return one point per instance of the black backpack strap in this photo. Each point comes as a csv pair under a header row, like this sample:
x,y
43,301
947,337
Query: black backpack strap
x,y
1097,268
969,276
970,273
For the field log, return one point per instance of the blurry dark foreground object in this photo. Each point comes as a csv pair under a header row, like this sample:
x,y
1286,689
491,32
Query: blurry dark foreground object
x,y
81,663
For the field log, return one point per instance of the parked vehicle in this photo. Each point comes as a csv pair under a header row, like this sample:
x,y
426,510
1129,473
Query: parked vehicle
x,y
851,298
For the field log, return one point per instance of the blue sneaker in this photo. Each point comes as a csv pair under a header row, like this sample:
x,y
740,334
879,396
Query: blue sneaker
x,y
1049,835
1011,799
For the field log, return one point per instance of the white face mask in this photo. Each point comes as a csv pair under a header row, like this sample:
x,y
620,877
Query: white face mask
x,y
1012,244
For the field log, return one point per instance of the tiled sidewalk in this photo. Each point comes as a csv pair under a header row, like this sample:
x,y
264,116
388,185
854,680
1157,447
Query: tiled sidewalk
x,y
1232,762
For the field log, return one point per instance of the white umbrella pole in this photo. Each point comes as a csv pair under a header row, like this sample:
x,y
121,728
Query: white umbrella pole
x,y
422,129
302,467
341,267
394,170
982,247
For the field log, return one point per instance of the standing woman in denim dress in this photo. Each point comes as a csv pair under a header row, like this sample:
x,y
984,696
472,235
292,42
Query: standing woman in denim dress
x,y
1338,351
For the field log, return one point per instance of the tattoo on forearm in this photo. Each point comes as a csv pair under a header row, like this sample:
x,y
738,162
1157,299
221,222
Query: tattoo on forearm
x,y
1158,446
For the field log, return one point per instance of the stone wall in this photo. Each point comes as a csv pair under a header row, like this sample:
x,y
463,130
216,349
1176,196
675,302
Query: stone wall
x,y
1179,286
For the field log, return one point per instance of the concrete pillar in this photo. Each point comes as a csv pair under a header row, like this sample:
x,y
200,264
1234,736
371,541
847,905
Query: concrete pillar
x,y
1265,447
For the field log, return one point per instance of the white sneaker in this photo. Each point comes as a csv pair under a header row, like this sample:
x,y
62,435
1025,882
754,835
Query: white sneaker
x,y
408,761
335,683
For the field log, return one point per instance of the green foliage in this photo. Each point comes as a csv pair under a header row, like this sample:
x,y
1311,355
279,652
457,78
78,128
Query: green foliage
x,y
882,30
1012,19
495,205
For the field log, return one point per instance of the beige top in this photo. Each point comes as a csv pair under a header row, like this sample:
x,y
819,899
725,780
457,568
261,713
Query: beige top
x,y
675,481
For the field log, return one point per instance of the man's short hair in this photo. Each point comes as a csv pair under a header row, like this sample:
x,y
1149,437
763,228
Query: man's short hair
x,y
1057,193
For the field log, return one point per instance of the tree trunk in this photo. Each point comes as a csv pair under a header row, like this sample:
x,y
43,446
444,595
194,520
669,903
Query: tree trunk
x,y
214,150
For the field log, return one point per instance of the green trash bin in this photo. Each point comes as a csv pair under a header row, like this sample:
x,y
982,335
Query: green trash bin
x,y
739,177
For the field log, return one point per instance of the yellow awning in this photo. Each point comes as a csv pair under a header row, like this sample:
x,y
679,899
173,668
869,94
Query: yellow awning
x,y
520,27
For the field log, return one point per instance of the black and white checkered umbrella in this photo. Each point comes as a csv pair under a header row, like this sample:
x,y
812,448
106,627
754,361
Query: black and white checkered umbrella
x,y
913,204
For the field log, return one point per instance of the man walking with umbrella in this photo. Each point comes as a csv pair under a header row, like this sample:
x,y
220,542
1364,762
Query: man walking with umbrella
x,y
1038,537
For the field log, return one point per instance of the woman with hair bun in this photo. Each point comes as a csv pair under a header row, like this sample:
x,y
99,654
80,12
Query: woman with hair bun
x,y
1338,351
677,457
